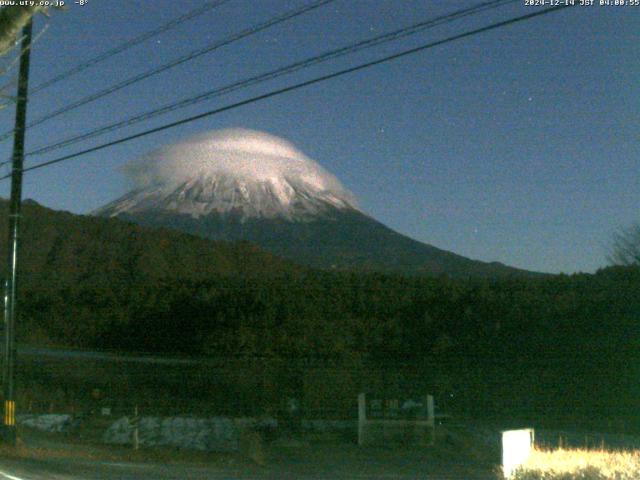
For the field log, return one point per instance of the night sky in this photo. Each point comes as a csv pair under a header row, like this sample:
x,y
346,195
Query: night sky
x,y
519,145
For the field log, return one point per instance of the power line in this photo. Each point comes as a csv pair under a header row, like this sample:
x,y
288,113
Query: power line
x,y
188,57
291,68
209,5
297,86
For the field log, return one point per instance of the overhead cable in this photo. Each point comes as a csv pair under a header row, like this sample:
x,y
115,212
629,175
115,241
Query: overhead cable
x,y
297,86
288,69
185,58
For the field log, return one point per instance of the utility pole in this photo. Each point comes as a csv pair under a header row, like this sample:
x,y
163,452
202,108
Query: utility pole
x,y
11,282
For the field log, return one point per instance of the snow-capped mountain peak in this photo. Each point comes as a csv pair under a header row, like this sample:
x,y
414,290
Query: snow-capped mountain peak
x,y
242,172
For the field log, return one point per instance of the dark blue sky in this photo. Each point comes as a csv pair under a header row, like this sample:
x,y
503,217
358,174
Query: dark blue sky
x,y
519,145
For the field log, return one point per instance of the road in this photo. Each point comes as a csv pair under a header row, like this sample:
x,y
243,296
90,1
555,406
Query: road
x,y
86,470
299,468
58,457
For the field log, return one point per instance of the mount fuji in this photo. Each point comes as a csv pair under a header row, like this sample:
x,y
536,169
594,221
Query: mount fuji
x,y
239,184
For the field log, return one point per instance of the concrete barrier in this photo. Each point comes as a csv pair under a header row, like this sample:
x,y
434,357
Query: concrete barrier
x,y
217,434
50,422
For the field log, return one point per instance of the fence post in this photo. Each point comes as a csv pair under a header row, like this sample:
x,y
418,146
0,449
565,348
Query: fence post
x,y
431,418
362,417
135,423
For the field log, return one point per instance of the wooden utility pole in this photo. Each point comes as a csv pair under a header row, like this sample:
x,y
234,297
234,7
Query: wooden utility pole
x,y
11,282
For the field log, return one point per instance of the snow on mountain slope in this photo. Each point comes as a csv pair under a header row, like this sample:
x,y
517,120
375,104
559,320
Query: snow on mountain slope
x,y
248,173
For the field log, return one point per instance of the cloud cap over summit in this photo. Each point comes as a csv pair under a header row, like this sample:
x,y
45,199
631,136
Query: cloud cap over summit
x,y
241,158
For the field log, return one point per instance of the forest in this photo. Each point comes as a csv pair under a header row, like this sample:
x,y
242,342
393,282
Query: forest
x,y
558,348
548,348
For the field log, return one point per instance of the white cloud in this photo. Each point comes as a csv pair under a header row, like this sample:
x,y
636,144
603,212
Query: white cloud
x,y
247,155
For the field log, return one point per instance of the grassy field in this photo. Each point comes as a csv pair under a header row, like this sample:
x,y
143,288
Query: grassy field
x,y
577,464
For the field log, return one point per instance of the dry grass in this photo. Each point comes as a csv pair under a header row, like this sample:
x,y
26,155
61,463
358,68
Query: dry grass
x,y
581,465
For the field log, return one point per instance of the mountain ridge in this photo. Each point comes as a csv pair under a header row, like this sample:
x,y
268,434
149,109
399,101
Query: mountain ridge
x,y
62,248
239,184
341,239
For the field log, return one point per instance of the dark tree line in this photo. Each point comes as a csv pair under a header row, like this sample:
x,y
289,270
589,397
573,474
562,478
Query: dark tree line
x,y
547,347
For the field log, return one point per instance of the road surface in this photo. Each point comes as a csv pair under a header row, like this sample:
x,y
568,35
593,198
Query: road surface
x,y
302,467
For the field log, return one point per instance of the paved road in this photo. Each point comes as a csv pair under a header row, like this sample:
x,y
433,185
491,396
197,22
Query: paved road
x,y
101,470
55,459
84,470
